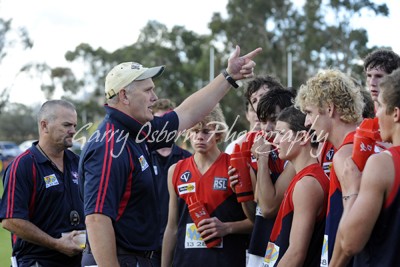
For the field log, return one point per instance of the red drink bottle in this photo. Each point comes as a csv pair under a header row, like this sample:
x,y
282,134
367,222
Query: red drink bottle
x,y
364,142
244,189
198,212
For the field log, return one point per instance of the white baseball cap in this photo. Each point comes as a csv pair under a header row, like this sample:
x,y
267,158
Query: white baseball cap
x,y
127,72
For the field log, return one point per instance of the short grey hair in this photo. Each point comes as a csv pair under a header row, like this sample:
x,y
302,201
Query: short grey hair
x,y
47,110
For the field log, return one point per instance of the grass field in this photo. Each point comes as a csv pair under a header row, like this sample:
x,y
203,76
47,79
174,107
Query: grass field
x,y
5,248
5,240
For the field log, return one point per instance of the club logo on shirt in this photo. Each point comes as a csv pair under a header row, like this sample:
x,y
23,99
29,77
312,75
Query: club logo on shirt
x,y
185,177
186,188
329,154
271,255
274,155
220,183
50,180
75,176
327,166
143,163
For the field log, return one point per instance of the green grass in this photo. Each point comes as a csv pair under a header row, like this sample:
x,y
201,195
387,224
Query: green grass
x,y
5,240
5,247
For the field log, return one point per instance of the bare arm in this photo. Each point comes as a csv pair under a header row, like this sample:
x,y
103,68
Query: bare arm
x,y
195,107
308,201
249,207
270,195
28,231
169,241
361,211
102,240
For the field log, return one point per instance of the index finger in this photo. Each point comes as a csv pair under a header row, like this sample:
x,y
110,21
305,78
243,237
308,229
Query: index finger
x,y
253,53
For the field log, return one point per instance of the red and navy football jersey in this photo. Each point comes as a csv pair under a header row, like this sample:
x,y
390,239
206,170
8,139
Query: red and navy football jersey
x,y
213,190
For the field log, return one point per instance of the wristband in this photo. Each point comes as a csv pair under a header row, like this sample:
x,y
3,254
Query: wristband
x,y
230,79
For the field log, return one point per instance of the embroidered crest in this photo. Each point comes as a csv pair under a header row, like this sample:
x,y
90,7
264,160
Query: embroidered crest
x,y
185,177
143,163
75,177
50,180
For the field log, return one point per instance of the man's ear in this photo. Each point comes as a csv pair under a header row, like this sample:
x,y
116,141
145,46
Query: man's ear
x,y
218,137
123,98
331,109
396,114
303,137
44,126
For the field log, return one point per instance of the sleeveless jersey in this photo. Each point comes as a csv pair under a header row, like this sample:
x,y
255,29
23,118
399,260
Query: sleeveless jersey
x,y
382,248
279,240
263,226
213,190
335,209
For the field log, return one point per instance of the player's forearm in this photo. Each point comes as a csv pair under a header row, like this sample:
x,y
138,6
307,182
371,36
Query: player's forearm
x,y
102,240
292,258
266,193
168,246
249,209
339,257
29,232
239,227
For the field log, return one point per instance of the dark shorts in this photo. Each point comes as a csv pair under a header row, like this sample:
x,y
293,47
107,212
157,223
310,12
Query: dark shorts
x,y
156,259
124,260
43,263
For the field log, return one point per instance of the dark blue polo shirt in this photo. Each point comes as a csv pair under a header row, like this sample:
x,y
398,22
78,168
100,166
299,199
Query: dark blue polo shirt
x,y
36,191
117,177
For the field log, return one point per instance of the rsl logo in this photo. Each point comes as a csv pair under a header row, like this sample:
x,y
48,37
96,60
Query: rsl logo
x,y
220,183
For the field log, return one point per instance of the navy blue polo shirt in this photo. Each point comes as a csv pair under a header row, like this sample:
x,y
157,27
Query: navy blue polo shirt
x,y
117,178
36,191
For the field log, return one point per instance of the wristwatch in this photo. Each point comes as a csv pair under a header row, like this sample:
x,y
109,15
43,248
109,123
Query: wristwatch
x,y
229,79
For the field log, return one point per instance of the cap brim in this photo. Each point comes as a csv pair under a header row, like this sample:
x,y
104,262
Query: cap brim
x,y
151,73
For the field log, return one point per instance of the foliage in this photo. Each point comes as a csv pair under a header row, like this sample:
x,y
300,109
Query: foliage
x,y
18,123
8,41
318,35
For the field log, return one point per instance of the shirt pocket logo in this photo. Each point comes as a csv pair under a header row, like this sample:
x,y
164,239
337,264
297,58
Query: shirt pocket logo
x,y
50,180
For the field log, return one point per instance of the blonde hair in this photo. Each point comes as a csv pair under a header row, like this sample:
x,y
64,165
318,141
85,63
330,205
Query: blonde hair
x,y
332,86
163,104
215,118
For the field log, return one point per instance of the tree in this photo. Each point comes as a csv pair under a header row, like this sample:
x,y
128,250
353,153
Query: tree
x,y
185,54
18,123
8,41
318,35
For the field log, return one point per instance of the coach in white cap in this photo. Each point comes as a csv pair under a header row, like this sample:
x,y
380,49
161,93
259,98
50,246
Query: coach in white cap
x,y
116,176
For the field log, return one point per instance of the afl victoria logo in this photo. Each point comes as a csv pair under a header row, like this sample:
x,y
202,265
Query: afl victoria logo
x,y
329,154
185,177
